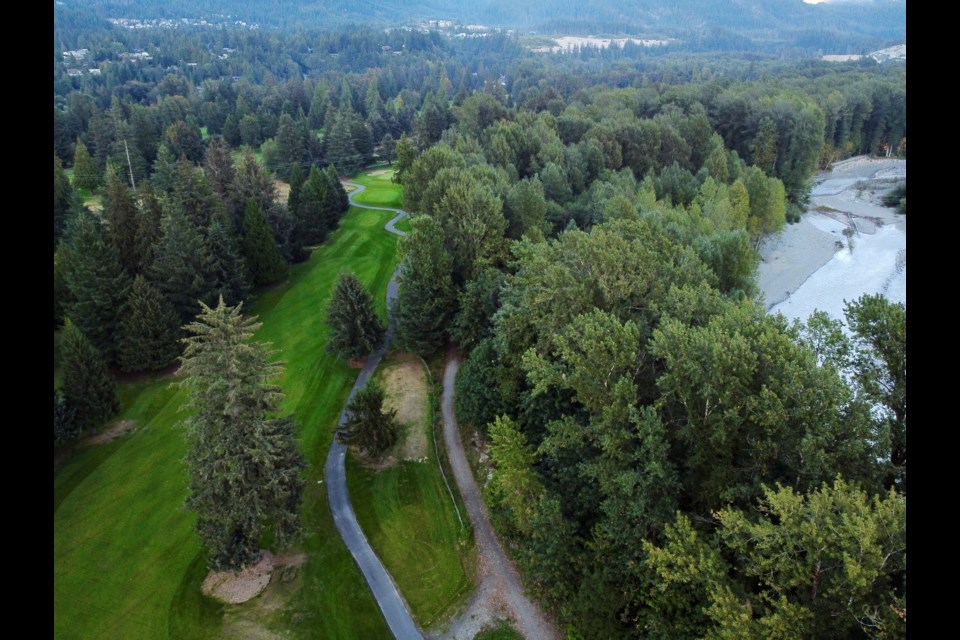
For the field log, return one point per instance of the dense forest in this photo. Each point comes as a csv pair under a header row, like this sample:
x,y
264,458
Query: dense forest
x,y
669,460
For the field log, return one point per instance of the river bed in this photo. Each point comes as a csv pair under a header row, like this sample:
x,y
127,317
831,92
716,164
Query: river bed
x,y
847,244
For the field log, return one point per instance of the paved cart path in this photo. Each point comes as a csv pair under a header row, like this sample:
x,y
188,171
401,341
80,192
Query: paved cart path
x,y
385,591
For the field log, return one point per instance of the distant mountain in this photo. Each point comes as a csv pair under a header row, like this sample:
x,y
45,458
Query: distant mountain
x,y
771,21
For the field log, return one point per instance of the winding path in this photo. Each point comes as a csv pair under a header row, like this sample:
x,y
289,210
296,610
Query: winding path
x,y
500,590
384,589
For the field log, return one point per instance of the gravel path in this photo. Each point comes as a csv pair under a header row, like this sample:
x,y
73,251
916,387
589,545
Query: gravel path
x,y
385,591
500,593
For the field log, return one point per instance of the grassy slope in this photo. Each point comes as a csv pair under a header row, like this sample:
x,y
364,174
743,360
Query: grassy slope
x,y
406,514
126,560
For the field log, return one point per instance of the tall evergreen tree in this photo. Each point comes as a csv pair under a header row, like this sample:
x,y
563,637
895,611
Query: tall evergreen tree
x,y
333,208
149,329
62,199
426,296
148,226
86,173
356,329
184,268
97,282
164,170
264,263
339,142
244,462
218,165
193,196
313,217
87,386
368,425
122,218
228,268
406,154
64,420
295,197
290,146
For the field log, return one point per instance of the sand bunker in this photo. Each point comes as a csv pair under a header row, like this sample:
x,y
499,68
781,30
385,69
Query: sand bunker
x,y
238,587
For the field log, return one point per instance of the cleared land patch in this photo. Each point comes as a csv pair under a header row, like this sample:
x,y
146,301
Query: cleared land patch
x,y
405,387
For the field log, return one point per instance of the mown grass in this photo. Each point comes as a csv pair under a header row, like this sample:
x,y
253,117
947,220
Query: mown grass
x,y
408,517
127,562
381,190
503,631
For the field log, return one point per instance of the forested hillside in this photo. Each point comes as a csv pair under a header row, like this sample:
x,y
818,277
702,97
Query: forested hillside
x,y
749,23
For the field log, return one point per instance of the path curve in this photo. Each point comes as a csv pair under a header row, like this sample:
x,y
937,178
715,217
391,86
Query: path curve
x,y
500,590
384,589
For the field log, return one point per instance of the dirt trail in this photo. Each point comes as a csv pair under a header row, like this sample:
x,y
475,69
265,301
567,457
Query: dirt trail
x,y
499,592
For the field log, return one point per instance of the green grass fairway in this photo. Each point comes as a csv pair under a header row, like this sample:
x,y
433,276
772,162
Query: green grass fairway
x,y
381,190
127,562
406,514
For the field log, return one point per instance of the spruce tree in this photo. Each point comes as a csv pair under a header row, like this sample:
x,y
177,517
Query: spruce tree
x,y
228,268
97,283
184,267
86,173
264,263
333,208
64,422
87,387
368,425
243,457
356,329
426,297
342,200
290,145
294,199
122,218
218,165
62,199
148,226
149,329
313,214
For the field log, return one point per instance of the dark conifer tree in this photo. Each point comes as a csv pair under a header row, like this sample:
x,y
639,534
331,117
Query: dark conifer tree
x,y
314,202
149,329
86,173
369,426
122,218
243,456
64,420
357,331
265,264
426,299
229,270
87,386
184,268
62,199
97,282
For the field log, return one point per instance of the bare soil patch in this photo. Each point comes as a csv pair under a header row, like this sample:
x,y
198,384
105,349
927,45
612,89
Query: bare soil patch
x,y
406,389
117,430
283,190
356,363
238,587
378,172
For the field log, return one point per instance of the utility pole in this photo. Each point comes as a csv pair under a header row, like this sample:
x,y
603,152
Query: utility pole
x,y
129,166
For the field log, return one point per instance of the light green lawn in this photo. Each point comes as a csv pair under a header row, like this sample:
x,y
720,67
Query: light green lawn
x,y
127,563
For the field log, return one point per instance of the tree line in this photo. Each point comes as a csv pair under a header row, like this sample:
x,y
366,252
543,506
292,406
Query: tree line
x,y
648,421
